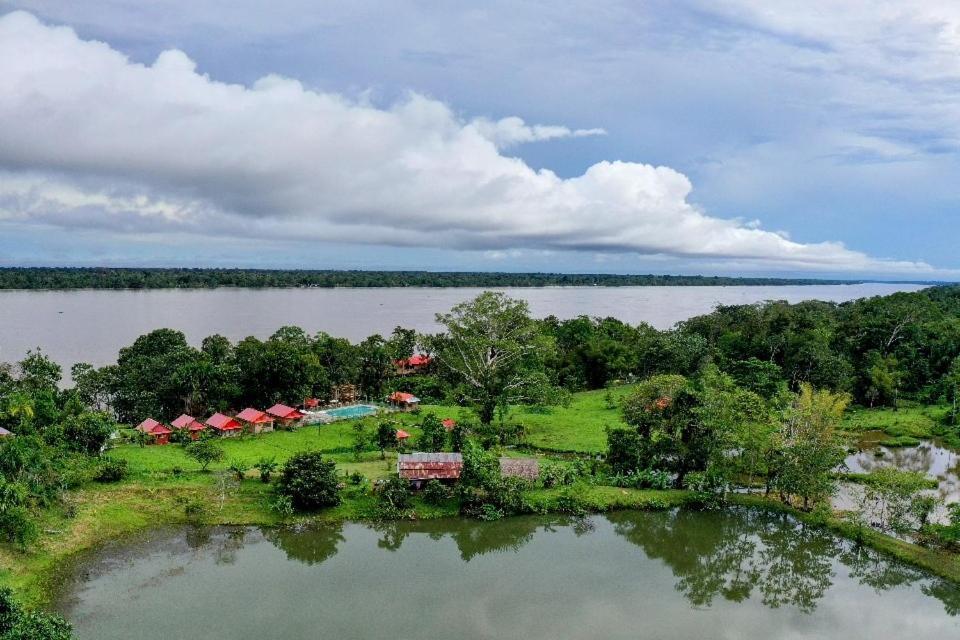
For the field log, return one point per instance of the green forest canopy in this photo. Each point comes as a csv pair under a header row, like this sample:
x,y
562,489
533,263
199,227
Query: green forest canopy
x,y
162,278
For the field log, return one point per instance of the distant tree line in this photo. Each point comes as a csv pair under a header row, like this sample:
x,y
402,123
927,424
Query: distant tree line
x,y
159,278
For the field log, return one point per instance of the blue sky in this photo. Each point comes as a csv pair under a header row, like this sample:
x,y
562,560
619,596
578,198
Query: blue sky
x,y
681,137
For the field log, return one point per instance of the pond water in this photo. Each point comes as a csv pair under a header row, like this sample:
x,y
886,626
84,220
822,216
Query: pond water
x,y
676,574
91,326
929,457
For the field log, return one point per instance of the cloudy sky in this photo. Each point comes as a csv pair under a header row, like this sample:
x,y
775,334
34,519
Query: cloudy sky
x,y
723,137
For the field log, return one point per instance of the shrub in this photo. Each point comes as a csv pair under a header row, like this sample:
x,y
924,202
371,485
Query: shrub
x,y
556,474
356,478
395,493
177,471
195,509
111,470
239,468
434,492
309,481
18,526
19,624
266,466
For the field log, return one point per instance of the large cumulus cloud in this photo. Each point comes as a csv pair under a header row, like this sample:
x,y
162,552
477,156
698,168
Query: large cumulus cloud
x,y
89,138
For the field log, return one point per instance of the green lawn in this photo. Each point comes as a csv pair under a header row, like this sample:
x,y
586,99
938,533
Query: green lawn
x,y
914,422
579,427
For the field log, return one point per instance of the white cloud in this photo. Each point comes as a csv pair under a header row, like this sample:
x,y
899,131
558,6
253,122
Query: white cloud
x,y
89,138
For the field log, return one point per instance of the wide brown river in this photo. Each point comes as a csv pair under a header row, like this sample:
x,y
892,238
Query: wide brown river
x,y
91,326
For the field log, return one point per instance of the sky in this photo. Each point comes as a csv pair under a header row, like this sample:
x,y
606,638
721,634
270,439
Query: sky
x,y
730,137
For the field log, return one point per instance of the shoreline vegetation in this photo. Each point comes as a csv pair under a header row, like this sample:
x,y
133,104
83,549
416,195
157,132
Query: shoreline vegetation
x,y
44,278
748,398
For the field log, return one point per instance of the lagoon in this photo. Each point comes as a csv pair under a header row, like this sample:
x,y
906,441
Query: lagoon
x,y
734,573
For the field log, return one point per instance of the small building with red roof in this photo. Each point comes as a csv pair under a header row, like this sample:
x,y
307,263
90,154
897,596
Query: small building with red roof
x,y
448,423
255,421
224,425
286,415
311,403
402,435
159,433
403,401
417,363
421,467
191,424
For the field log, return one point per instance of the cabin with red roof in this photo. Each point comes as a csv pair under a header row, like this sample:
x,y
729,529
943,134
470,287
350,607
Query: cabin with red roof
x,y
285,415
403,401
158,433
255,421
224,425
417,363
421,467
193,426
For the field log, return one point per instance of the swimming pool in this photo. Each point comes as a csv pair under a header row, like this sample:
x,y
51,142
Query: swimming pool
x,y
355,411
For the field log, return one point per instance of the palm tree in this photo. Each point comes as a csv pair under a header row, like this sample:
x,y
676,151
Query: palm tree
x,y
20,406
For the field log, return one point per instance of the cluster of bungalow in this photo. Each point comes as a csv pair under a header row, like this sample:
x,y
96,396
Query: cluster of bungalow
x,y
249,420
419,468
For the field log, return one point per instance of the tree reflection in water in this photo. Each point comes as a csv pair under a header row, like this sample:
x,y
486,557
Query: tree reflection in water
x,y
309,544
473,537
731,553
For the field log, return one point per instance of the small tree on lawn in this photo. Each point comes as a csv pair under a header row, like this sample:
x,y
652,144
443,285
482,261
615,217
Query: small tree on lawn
x,y
360,439
266,466
434,436
386,437
309,481
205,452
239,468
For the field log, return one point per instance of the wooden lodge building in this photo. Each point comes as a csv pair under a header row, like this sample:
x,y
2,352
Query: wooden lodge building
x,y
255,421
191,424
286,416
224,425
417,363
159,433
403,401
420,467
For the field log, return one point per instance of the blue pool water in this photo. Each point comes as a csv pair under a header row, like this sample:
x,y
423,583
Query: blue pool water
x,y
356,411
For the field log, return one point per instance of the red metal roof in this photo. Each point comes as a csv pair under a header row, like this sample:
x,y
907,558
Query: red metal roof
x,y
400,396
283,411
253,415
402,435
222,422
311,403
187,422
152,426
427,466
416,360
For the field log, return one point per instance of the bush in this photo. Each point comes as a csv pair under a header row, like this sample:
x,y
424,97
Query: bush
x,y
395,494
434,492
19,624
266,466
356,478
18,526
111,470
309,481
556,474
195,509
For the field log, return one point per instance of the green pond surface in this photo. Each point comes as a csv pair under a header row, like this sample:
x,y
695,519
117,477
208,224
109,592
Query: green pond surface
x,y
736,573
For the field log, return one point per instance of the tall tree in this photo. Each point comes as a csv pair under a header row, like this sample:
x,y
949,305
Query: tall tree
x,y
494,352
